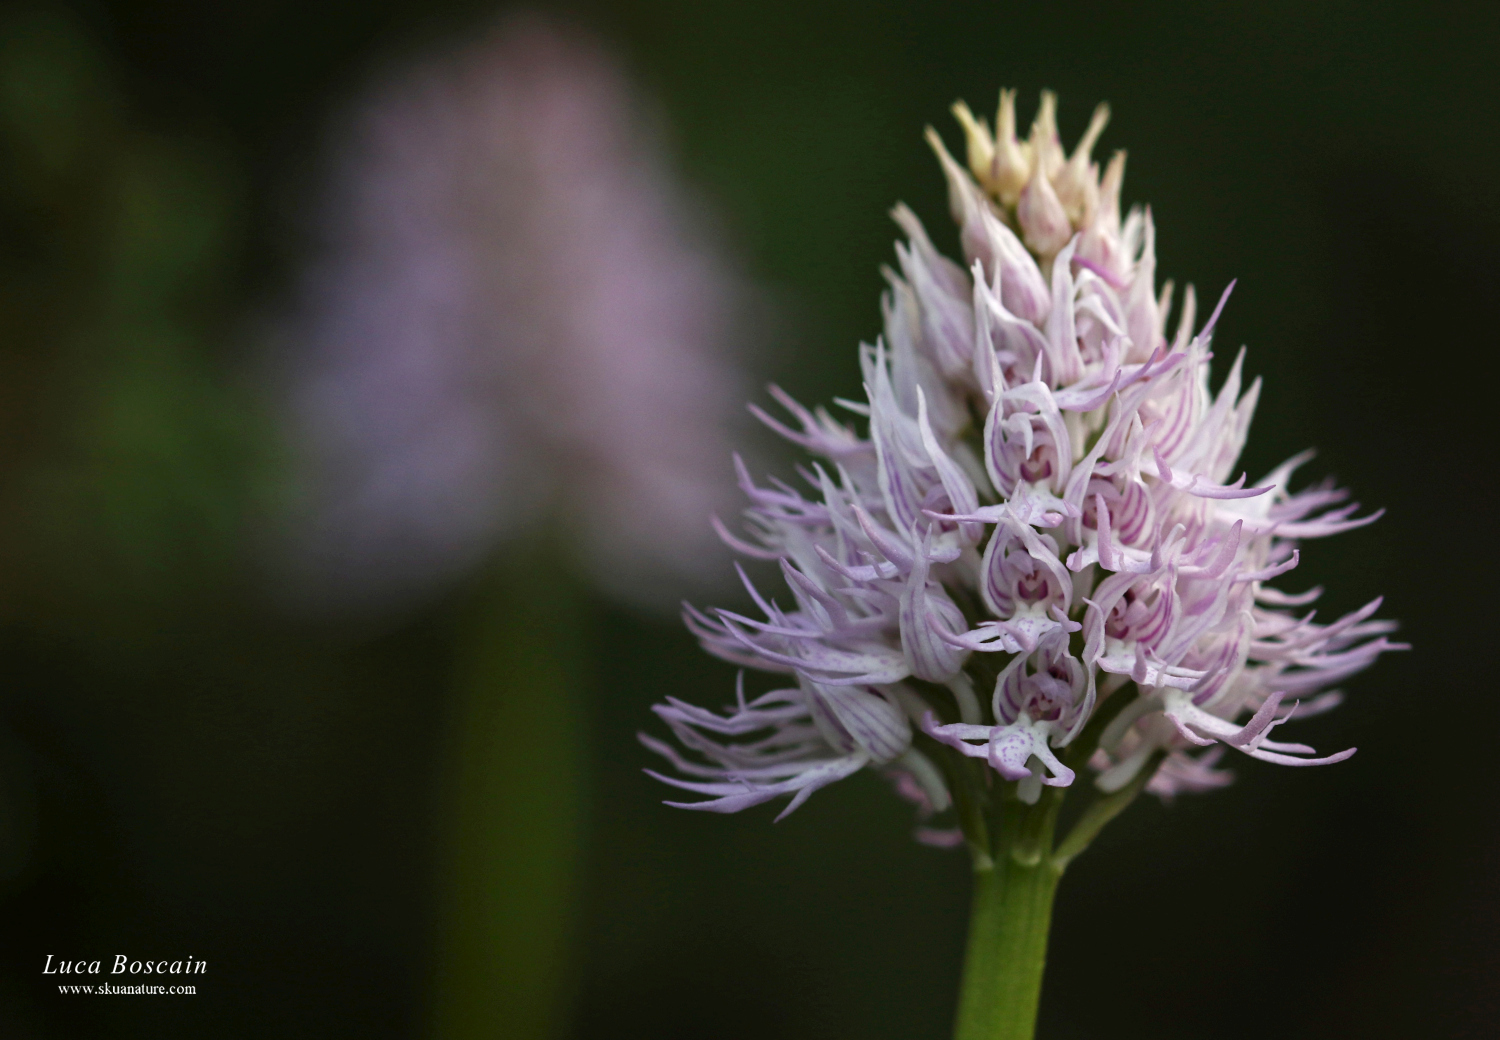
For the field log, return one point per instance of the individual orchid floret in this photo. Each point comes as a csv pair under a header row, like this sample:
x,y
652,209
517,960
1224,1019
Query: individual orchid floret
x,y
1038,696
1027,560
821,734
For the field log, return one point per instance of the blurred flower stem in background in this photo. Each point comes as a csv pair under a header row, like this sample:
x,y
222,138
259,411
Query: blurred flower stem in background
x,y
514,792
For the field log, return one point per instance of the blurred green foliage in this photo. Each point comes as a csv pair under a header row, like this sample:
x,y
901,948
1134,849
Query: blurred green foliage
x,y
127,445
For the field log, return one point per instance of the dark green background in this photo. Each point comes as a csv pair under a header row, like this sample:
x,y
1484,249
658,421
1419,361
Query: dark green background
x,y
183,772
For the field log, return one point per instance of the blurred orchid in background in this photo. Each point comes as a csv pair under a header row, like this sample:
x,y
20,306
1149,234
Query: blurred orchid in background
x,y
516,311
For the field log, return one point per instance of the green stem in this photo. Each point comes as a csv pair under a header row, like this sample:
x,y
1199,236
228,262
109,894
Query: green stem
x,y
1014,890
510,866
1008,927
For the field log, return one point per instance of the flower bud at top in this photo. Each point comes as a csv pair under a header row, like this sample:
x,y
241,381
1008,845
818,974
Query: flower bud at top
x,y
1077,183
980,144
1044,222
1012,161
1046,143
1023,290
1101,237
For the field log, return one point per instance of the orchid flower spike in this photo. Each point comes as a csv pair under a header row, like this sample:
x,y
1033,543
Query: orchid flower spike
x,y
1031,546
